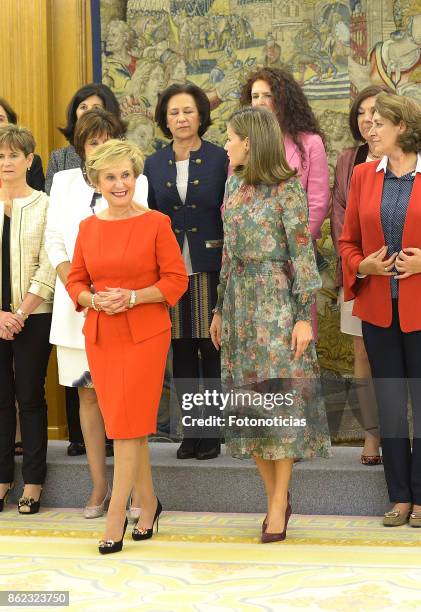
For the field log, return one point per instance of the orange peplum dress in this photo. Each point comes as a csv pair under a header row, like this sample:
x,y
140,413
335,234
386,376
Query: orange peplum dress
x,y
127,352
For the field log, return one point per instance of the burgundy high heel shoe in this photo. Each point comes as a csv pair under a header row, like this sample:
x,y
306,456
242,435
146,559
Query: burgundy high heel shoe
x,y
265,520
267,538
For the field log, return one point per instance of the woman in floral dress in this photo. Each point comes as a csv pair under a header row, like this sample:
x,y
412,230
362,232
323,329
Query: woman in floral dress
x,y
262,319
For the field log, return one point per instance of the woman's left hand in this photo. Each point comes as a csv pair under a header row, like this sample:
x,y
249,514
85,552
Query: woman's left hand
x,y
408,262
302,335
113,300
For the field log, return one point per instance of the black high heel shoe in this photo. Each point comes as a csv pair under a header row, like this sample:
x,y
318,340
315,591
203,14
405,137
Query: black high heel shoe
x,y
30,503
145,534
3,500
107,547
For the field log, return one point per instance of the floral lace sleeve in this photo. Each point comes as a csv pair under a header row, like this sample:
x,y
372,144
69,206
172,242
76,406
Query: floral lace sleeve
x,y
223,275
305,277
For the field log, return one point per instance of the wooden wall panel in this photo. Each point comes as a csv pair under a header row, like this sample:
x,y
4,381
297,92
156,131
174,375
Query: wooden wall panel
x,y
25,51
71,57
46,55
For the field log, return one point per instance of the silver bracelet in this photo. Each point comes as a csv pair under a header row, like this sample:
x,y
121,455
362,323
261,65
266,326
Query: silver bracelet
x,y
21,313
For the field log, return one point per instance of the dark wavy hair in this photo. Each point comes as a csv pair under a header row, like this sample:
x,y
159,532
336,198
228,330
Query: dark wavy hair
x,y
92,89
292,109
368,92
200,98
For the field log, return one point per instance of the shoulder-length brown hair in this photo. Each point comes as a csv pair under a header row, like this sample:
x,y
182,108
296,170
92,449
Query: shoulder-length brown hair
x,y
96,122
400,108
266,161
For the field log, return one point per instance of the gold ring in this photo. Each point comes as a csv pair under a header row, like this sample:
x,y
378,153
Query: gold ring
x,y
385,269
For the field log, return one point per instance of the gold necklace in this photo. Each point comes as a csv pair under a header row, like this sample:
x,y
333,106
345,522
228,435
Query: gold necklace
x,y
373,157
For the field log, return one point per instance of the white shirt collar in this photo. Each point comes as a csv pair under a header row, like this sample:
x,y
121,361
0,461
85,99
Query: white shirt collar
x,y
383,164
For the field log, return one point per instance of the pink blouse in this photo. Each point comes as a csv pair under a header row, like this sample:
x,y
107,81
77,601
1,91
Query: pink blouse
x,y
313,173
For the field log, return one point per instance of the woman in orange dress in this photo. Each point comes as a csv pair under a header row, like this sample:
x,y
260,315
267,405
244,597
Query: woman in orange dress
x,y
127,267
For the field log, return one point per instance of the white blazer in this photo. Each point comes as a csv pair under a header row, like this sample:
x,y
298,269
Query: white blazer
x,y
70,199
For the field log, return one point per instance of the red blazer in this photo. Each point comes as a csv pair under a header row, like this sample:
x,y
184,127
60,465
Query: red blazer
x,y
362,235
151,258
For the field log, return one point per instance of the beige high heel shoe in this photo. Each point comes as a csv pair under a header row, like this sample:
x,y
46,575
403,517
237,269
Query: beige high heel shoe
x,y
90,512
134,512
415,519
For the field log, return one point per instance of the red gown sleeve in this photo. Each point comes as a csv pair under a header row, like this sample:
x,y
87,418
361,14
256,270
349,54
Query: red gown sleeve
x,y
173,279
78,279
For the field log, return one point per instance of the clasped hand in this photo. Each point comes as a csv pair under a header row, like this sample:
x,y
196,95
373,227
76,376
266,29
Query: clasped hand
x,y
113,300
376,263
10,324
406,262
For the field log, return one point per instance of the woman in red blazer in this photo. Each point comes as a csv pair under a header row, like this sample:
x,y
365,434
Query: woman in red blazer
x,y
130,256
381,260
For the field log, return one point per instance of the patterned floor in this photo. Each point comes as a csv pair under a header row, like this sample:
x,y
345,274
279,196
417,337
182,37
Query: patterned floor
x,y
215,563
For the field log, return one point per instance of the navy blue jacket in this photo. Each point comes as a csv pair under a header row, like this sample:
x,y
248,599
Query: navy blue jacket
x,y
200,217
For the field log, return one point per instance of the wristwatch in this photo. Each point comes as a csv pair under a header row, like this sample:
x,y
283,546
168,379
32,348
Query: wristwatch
x,y
133,298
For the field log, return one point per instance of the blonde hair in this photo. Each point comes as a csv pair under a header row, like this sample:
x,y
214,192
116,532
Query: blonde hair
x,y
400,108
266,161
17,138
111,152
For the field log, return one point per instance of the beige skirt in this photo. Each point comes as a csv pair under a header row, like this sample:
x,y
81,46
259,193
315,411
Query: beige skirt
x,y
349,324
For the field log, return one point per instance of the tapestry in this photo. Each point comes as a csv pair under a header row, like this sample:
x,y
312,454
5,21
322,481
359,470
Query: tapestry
x,y
334,48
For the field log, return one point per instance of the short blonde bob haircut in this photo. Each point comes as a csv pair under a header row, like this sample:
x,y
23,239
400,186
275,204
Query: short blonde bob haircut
x,y
112,152
400,108
17,138
266,162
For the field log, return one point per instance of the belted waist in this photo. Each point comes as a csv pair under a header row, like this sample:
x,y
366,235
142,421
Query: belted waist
x,y
265,267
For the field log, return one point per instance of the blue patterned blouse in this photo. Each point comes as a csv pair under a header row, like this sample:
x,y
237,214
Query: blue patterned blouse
x,y
394,205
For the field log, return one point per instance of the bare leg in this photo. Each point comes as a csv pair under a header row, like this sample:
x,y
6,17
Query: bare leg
x,y
366,398
126,462
4,487
267,472
92,425
144,486
276,514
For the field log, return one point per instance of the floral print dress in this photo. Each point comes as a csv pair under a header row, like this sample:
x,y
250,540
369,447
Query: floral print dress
x,y
267,281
